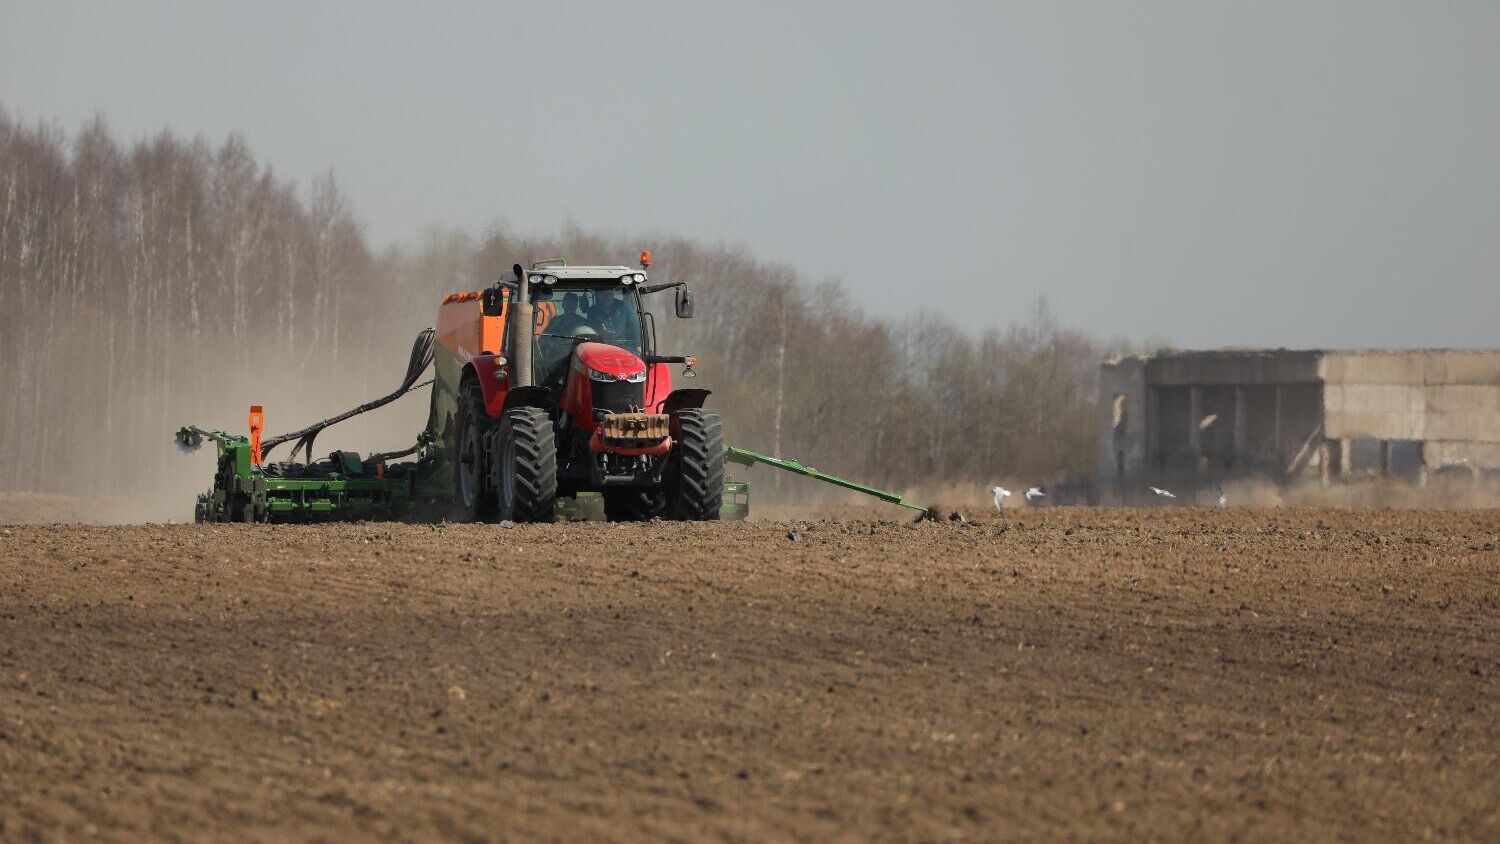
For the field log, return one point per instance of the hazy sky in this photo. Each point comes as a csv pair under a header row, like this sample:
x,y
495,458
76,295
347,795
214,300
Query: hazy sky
x,y
1298,173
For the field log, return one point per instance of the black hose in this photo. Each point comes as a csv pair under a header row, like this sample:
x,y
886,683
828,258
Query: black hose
x,y
422,351
384,456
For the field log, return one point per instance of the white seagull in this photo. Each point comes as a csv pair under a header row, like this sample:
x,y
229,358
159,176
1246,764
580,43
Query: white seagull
x,y
1001,493
1164,493
1034,495
1223,499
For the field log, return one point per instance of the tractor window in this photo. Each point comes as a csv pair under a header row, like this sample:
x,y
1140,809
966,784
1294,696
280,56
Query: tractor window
x,y
569,315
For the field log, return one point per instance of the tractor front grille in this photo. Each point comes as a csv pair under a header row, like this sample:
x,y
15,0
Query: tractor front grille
x,y
618,396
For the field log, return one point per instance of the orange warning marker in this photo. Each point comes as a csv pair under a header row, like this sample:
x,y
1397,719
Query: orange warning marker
x,y
257,422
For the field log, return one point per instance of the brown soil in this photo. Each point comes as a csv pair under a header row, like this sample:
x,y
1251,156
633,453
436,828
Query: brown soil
x,y
1130,675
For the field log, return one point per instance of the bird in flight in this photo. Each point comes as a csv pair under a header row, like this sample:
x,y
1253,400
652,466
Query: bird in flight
x,y
1034,495
1164,493
1001,493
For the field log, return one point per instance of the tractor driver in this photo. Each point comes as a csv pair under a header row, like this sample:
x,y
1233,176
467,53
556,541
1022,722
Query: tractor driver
x,y
613,319
568,319
555,344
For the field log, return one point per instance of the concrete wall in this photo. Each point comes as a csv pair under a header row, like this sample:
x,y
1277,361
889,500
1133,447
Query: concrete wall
x,y
1433,396
1437,454
1374,411
1411,367
1241,368
1122,447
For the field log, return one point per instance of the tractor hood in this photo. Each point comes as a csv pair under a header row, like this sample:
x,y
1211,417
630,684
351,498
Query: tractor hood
x,y
608,360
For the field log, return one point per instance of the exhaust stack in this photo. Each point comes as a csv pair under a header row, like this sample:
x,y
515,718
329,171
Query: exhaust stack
x,y
519,327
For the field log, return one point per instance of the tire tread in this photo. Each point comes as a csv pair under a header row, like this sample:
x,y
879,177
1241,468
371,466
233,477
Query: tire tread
x,y
471,406
536,463
697,488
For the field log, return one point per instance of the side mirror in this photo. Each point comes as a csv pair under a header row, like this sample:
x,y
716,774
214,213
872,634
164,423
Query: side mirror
x,y
493,301
684,302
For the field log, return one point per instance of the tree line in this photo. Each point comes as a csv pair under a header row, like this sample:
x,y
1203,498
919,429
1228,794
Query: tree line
x,y
148,284
137,279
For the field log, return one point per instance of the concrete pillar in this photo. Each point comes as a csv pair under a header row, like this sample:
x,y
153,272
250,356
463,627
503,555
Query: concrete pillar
x,y
1325,461
1276,446
1346,457
1195,416
1385,458
1241,425
1153,418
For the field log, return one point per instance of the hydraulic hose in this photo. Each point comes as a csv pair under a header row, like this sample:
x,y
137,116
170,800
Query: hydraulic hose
x,y
422,351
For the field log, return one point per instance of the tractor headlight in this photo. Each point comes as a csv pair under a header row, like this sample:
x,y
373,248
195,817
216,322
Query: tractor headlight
x,y
633,378
535,279
639,277
549,279
627,279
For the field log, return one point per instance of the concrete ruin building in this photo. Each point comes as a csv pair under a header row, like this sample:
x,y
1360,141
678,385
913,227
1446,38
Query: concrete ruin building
x,y
1195,419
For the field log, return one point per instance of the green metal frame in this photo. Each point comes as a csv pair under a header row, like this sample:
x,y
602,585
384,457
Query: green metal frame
x,y
736,504
242,492
746,457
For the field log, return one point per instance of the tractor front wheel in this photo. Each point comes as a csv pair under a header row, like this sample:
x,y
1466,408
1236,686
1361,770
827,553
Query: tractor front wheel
x,y
476,501
525,467
695,473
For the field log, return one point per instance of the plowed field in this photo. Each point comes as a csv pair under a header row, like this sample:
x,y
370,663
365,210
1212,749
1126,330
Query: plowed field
x,y
1130,675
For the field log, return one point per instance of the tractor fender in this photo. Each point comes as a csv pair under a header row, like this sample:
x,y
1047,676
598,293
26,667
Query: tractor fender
x,y
530,397
684,399
483,368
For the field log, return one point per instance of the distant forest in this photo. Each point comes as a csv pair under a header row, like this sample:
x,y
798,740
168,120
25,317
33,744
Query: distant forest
x,y
141,282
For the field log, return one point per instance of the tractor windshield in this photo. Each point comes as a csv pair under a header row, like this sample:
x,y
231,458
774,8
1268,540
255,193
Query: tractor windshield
x,y
566,316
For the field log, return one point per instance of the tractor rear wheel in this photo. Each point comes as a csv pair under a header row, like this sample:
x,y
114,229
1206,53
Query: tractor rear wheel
x,y
476,499
695,474
633,505
525,465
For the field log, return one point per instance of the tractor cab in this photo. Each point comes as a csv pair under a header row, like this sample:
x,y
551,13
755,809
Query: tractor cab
x,y
571,313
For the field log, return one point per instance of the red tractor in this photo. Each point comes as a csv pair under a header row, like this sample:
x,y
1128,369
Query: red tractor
x,y
551,385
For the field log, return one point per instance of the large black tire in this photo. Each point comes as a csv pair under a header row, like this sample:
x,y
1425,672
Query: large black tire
x,y
525,466
633,504
472,490
695,472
